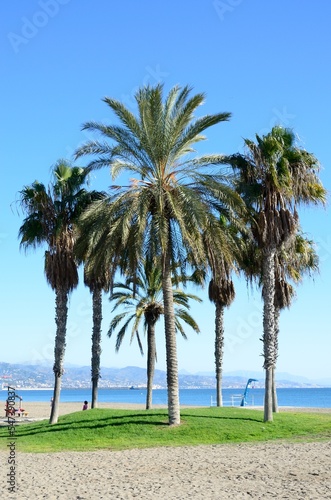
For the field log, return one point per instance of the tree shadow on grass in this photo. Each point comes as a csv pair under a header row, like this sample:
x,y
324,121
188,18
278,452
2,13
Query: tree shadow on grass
x,y
99,423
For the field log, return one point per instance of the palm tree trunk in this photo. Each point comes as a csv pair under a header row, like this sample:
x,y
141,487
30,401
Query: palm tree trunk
x,y
151,356
274,390
61,313
96,344
268,328
171,344
219,345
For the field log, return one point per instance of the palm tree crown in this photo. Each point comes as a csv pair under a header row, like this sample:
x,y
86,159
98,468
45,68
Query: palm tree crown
x,y
142,299
169,199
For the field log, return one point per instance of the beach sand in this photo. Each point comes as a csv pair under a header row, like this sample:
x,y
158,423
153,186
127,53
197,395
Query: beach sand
x,y
285,470
39,411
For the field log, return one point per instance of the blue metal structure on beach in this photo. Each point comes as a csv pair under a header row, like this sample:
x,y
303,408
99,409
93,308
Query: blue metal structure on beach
x,y
249,381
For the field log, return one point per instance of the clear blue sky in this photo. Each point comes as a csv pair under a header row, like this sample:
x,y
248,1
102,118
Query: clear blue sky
x,y
265,62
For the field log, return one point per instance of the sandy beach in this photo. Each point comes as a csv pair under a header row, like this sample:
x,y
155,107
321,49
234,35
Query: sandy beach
x,y
242,471
39,411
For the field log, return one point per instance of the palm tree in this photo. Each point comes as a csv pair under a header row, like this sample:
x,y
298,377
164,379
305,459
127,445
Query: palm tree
x,y
294,259
275,176
142,299
222,294
50,217
97,284
169,206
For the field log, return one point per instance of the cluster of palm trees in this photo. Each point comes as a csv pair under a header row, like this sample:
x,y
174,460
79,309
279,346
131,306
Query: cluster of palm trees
x,y
180,218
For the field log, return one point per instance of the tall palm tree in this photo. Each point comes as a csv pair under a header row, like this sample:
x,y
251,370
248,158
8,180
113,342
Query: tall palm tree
x,y
50,218
275,175
170,204
294,259
97,283
142,300
222,294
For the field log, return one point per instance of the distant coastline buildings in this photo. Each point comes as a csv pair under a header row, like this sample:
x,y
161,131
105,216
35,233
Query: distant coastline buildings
x,y
25,377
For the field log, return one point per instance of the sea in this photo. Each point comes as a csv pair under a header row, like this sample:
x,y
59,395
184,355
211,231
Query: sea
x,y
298,397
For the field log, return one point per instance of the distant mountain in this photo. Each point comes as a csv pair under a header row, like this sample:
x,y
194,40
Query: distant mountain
x,y
41,376
280,376
323,382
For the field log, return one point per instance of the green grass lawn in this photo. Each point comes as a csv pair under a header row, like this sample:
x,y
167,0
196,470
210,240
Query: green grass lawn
x,y
123,429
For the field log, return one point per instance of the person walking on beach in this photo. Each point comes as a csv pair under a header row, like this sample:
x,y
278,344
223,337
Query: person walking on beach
x,y
85,405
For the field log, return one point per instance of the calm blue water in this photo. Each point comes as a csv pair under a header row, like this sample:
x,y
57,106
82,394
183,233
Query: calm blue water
x,y
310,398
